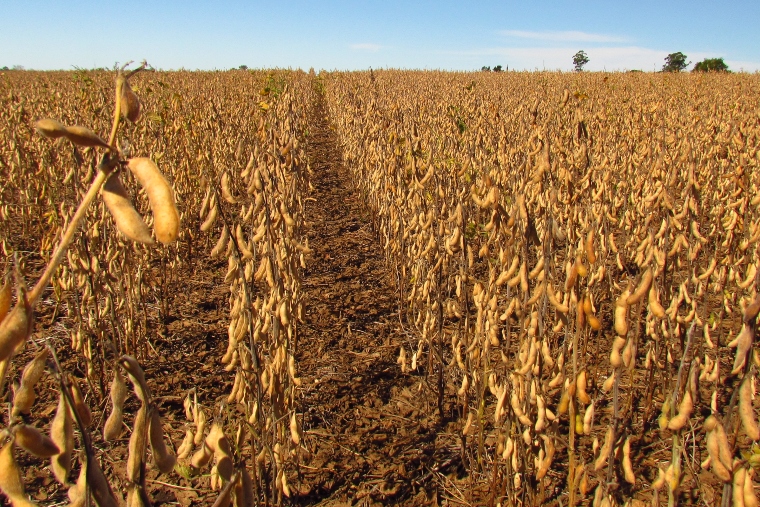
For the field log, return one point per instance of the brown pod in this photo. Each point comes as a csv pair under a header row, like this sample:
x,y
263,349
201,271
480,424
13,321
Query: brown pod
x,y
78,492
14,329
99,486
162,458
137,376
33,441
621,312
127,219
590,252
82,136
51,129
81,406
594,322
137,445
161,197
130,103
217,442
684,412
11,482
752,309
113,427
642,289
62,434
746,410
201,457
25,396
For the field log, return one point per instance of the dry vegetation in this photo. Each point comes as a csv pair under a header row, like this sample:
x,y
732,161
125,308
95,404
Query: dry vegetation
x,y
576,260
578,257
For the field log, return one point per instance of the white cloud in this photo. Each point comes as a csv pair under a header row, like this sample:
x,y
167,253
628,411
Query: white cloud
x,y
562,36
739,65
366,46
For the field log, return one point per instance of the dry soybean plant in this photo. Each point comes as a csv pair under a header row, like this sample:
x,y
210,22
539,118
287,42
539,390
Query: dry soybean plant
x,y
578,258
258,213
17,324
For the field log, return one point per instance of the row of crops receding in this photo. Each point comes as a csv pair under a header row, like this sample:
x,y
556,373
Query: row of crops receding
x,y
212,166
577,255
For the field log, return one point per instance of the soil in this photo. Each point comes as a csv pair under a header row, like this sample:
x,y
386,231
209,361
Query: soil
x,y
368,431
371,435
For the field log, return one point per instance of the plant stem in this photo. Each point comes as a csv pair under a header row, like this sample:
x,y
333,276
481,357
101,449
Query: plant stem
x,y
104,171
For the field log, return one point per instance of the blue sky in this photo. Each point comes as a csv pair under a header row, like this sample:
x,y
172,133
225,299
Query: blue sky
x,y
335,34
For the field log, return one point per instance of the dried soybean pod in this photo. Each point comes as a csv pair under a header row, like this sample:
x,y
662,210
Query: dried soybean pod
x,y
750,500
162,458
221,244
137,376
130,103
752,309
127,219
628,474
725,453
82,136
200,423
183,451
615,357
25,396
81,406
654,304
226,191
11,482
113,426
99,486
580,391
210,219
295,433
621,312
604,452
14,329
201,457
217,442
62,434
684,412
746,410
78,492
137,444
642,289
590,253
52,129
588,419
33,441
743,343
714,444
738,487
161,197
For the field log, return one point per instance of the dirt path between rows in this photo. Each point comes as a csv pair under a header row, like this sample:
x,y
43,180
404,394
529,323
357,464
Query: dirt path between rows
x,y
367,433
369,438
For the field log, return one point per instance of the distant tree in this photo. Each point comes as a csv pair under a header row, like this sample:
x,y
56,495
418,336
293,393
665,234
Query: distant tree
x,y
711,65
497,68
4,68
675,62
17,67
485,68
579,60
243,67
